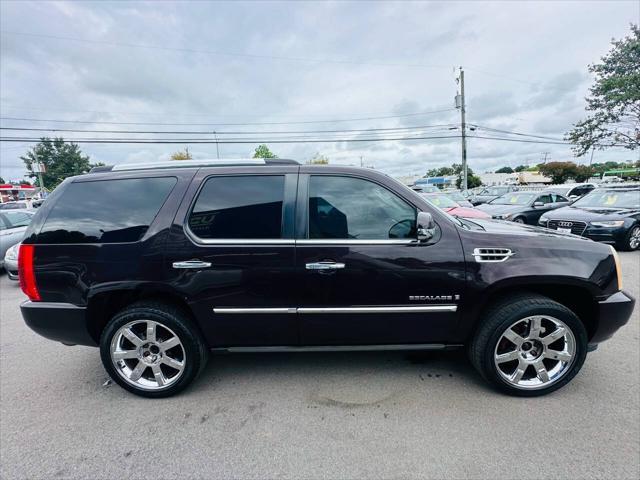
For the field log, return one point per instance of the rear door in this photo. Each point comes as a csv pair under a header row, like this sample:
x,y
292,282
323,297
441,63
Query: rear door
x,y
362,276
231,254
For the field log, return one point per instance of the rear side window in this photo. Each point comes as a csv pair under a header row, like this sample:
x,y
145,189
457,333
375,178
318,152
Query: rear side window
x,y
239,207
17,219
106,211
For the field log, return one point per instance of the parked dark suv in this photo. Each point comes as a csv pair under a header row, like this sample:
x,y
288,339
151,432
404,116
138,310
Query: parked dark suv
x,y
161,264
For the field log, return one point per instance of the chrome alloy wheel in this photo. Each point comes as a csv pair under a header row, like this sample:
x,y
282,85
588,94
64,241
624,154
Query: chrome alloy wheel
x,y
147,355
634,239
535,352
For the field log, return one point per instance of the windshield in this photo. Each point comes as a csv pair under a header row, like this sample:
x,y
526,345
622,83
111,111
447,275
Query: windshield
x,y
611,199
441,201
456,196
495,191
514,198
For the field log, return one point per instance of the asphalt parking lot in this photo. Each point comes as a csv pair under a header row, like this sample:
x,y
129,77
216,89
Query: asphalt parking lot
x,y
330,415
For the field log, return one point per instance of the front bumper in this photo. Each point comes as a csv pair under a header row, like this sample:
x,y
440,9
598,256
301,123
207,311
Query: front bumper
x,y
63,322
598,234
613,313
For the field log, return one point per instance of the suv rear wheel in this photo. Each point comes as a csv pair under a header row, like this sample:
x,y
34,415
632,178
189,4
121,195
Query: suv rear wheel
x,y
529,345
152,349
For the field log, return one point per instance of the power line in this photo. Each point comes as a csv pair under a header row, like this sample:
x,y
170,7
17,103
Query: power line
x,y
229,141
516,133
228,124
275,141
217,132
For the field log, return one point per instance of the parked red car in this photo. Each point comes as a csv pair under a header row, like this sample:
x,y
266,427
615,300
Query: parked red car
x,y
445,203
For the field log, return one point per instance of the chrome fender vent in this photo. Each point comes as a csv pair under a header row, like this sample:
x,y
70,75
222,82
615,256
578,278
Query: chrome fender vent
x,y
488,255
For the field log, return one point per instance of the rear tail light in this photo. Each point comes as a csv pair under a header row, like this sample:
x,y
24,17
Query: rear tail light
x,y
26,272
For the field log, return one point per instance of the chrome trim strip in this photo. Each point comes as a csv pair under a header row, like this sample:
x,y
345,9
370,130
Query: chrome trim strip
x,y
337,348
411,309
280,310
332,241
254,310
240,242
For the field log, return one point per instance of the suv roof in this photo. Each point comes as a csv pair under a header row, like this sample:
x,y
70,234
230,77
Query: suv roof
x,y
194,163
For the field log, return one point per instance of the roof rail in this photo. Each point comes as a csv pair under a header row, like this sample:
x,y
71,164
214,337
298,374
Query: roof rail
x,y
193,164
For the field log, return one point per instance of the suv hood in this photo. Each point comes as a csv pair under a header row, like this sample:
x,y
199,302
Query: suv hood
x,y
511,228
587,214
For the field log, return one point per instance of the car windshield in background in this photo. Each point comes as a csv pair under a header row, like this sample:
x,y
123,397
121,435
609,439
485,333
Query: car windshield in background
x,y
611,199
13,206
513,199
441,201
456,196
494,191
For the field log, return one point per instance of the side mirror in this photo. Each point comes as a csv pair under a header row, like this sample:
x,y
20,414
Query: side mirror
x,y
538,204
426,227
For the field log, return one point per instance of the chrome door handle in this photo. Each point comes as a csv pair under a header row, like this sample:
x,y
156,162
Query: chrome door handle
x,y
324,266
191,264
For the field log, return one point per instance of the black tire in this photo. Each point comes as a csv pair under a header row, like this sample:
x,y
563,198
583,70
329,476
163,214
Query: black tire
x,y
625,245
196,351
500,317
520,220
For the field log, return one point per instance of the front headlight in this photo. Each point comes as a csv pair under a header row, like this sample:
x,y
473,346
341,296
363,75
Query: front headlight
x,y
12,253
616,259
611,223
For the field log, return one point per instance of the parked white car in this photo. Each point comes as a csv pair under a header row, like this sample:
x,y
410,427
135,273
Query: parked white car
x,y
13,224
11,261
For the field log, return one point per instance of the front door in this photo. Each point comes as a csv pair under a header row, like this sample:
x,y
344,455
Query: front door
x,y
363,277
231,254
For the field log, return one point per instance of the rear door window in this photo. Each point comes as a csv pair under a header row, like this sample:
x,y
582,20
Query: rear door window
x,y
239,207
106,211
18,219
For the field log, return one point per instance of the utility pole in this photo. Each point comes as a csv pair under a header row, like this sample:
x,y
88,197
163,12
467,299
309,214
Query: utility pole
x,y
361,162
460,103
217,147
591,159
546,154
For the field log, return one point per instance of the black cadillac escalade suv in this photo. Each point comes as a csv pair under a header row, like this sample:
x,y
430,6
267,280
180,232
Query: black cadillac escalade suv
x,y
160,264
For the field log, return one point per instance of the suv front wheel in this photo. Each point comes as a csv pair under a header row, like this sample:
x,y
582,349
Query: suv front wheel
x,y
152,349
529,345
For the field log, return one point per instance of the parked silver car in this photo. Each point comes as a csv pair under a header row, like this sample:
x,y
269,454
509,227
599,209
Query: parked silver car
x,y
11,261
13,224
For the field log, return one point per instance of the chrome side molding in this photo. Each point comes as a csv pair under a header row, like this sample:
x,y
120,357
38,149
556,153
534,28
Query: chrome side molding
x,y
316,310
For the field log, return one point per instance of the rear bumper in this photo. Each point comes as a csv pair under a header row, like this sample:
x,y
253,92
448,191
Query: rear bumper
x,y
63,322
613,313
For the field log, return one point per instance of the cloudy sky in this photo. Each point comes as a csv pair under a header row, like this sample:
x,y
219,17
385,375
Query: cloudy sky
x,y
304,67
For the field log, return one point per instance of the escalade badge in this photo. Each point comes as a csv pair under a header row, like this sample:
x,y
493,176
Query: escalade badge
x,y
434,298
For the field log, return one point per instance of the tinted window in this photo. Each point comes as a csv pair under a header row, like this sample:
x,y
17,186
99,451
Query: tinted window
x,y
343,207
106,211
17,219
544,198
13,206
239,207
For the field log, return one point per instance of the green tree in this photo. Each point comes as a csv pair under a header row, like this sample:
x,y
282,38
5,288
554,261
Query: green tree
x,y
319,159
505,170
180,155
2,180
559,172
520,168
583,173
614,100
262,151
60,159
473,180
440,172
